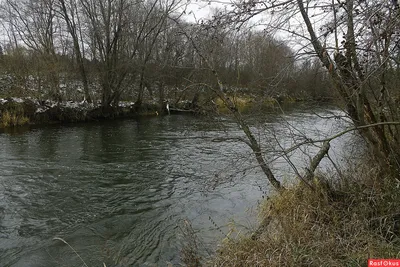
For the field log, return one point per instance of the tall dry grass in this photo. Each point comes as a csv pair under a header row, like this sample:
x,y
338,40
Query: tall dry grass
x,y
12,119
340,224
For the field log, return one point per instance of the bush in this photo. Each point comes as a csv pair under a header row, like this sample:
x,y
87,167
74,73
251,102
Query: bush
x,y
340,225
13,118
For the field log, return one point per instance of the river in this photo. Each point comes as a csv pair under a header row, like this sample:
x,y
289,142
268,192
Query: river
x,y
118,191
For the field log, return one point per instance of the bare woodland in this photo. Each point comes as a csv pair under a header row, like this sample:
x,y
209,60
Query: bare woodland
x,y
357,44
114,50
117,50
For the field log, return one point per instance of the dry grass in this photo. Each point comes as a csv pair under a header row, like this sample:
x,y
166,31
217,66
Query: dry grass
x,y
190,251
247,104
12,119
340,225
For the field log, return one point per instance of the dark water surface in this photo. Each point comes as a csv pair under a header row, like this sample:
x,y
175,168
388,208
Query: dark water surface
x,y
118,191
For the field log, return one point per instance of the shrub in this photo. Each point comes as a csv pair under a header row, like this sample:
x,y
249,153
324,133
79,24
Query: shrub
x,y
13,118
340,226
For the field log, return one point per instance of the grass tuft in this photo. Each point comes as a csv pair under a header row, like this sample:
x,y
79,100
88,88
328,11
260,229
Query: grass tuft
x,y
190,251
13,118
342,224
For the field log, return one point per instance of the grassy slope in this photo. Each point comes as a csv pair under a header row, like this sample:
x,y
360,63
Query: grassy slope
x,y
338,225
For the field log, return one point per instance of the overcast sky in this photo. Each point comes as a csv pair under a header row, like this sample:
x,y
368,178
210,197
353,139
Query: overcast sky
x,y
197,10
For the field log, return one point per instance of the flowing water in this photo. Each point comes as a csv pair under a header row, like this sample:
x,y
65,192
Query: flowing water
x,y
118,191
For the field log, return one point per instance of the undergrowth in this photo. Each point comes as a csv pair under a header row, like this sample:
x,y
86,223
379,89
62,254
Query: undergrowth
x,y
342,223
246,104
12,118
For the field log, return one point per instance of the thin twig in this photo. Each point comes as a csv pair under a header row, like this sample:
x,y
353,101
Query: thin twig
x,y
65,242
311,141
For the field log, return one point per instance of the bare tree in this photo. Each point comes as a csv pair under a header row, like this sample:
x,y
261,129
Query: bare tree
x,y
219,91
119,30
157,23
351,78
357,43
34,23
70,13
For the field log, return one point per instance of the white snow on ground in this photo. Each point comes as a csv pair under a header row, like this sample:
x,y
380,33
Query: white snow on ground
x,y
50,103
17,100
33,100
125,104
81,106
41,110
71,104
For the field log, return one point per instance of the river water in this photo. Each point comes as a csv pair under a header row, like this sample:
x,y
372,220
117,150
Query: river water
x,y
118,191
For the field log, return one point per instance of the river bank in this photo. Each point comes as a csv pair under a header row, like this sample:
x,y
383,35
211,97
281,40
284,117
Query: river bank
x,y
15,112
343,223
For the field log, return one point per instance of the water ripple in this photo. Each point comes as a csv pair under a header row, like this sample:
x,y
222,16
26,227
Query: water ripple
x,y
117,191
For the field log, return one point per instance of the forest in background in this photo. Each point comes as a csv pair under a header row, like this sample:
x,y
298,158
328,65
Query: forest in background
x,y
141,51
116,50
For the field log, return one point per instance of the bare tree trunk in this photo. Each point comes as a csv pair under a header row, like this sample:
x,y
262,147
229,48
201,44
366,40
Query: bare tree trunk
x,y
349,81
72,29
252,142
139,99
161,97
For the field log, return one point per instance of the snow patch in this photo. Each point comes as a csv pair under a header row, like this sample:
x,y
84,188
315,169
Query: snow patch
x,y
17,100
41,110
124,104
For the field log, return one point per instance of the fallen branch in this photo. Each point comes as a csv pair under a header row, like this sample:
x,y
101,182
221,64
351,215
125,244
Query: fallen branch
x,y
316,160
